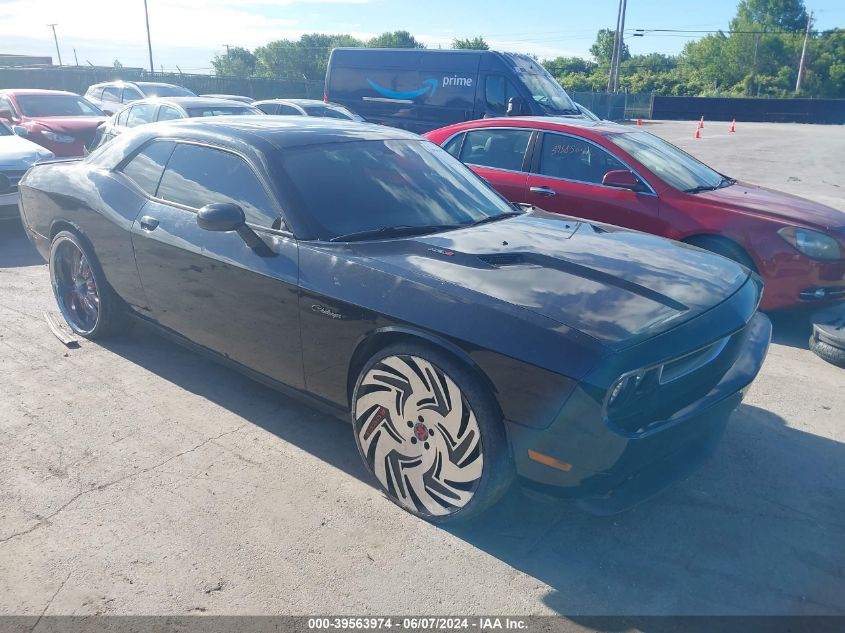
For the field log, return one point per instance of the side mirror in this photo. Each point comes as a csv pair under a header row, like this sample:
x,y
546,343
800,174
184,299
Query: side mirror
x,y
621,178
19,130
517,107
221,217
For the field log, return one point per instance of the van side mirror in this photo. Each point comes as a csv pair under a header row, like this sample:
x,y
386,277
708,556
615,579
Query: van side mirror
x,y
517,107
621,178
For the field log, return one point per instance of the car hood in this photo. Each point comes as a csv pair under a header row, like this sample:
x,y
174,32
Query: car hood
x,y
69,124
615,285
775,204
19,153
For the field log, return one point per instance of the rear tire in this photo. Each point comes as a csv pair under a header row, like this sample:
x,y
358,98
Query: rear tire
x,y
724,247
430,433
88,304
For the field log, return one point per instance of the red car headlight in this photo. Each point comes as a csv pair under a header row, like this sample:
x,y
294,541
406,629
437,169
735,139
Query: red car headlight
x,y
811,243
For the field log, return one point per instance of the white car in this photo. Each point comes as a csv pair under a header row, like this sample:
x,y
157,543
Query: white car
x,y
16,156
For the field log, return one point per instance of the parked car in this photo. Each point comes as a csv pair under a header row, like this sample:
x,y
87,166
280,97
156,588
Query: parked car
x,y
627,177
167,109
111,96
240,98
63,122
16,156
364,269
306,107
420,90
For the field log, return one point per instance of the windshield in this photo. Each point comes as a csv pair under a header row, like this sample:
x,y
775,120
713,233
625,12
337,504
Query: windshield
x,y
221,111
330,112
56,105
548,93
673,165
345,188
159,90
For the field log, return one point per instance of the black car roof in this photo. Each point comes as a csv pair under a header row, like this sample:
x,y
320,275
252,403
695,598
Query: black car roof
x,y
278,132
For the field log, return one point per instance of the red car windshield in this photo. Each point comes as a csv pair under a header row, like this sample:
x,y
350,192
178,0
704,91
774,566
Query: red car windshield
x,y
674,166
56,105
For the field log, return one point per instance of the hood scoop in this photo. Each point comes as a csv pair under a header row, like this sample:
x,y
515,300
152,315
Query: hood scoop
x,y
503,259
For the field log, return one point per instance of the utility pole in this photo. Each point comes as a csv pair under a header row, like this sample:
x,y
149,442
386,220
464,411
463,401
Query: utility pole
x,y
803,53
227,48
615,48
56,39
75,58
149,41
618,43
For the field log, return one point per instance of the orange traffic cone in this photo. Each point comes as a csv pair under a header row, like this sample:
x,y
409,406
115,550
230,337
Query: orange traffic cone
x,y
698,132
701,123
733,125
639,121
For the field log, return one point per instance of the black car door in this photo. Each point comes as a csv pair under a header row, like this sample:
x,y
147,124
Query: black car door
x,y
211,287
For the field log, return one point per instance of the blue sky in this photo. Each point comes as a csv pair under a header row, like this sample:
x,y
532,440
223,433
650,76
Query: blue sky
x,y
190,32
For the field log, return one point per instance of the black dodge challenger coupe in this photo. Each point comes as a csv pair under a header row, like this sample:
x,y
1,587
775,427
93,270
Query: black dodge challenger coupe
x,y
366,269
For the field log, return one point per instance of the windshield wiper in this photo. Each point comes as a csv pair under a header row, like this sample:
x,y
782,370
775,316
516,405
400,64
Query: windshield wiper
x,y
726,182
402,230
495,218
701,188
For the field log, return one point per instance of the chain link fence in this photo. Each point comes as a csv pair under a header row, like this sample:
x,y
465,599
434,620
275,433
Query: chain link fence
x,y
616,106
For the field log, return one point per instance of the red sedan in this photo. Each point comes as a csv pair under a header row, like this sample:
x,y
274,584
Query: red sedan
x,y
624,176
62,122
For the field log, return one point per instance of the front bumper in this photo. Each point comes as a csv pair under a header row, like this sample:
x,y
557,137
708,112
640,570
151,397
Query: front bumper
x,y
610,472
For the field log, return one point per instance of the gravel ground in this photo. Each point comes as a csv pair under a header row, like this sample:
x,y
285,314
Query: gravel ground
x,y
138,478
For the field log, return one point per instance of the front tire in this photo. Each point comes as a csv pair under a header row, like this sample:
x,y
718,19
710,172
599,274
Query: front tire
x,y
430,433
87,303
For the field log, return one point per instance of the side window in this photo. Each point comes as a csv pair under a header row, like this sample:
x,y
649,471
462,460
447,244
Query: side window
x,y
122,116
287,109
6,107
111,93
502,149
166,113
197,176
131,94
269,108
146,168
95,93
140,114
497,92
454,145
571,158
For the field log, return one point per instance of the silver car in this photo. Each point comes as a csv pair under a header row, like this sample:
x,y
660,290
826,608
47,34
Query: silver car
x,y
306,107
16,156
111,96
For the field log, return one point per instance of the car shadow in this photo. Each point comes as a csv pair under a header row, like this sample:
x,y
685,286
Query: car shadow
x,y
758,530
792,327
15,249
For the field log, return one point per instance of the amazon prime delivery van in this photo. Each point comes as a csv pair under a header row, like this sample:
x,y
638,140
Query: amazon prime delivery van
x,y
421,90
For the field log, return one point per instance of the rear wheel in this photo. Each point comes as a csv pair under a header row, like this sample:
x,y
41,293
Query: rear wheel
x,y
826,351
87,303
430,433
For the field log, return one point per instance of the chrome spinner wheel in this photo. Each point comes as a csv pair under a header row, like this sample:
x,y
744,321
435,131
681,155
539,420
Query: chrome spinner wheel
x,y
418,434
74,286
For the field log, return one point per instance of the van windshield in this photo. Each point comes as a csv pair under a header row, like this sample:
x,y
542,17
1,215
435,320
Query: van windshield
x,y
548,93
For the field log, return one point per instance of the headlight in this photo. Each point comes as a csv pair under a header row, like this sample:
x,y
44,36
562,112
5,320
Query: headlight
x,y
811,243
58,138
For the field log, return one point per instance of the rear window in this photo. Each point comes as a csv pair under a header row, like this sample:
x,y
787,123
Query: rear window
x,y
364,185
328,112
153,90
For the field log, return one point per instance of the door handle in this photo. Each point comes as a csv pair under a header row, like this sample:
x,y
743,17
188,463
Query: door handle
x,y
149,223
543,191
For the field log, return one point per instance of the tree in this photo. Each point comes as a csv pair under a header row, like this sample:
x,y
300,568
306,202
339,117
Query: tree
x,y
237,62
602,49
395,39
476,43
117,64
305,58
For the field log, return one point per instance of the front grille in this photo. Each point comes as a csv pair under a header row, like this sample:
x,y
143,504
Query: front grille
x,y
9,180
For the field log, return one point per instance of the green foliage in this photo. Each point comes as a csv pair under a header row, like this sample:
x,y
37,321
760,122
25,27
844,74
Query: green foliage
x,y
602,49
117,64
237,62
396,39
476,43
